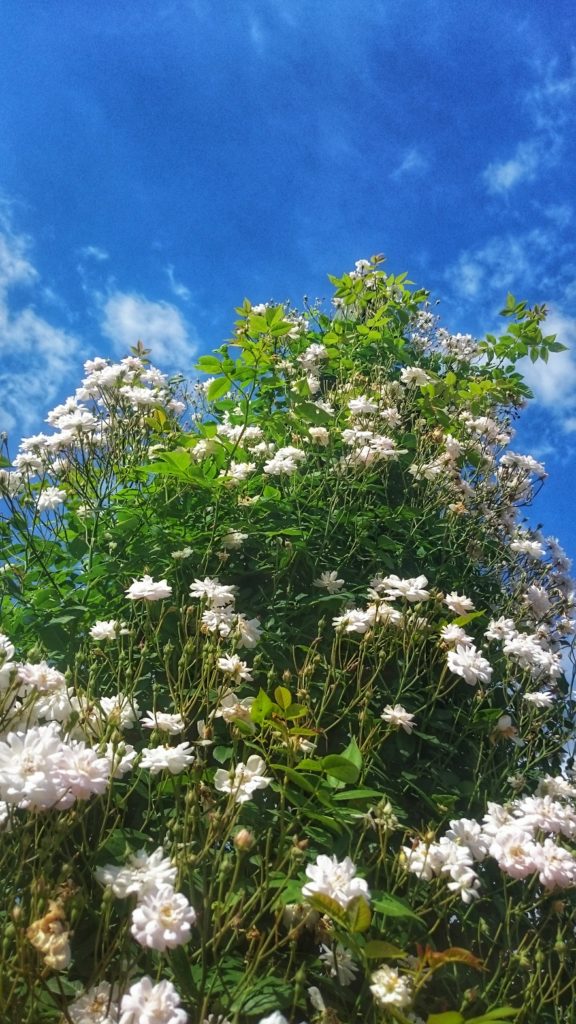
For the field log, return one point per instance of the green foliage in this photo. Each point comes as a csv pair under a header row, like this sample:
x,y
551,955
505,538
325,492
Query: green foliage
x,y
322,712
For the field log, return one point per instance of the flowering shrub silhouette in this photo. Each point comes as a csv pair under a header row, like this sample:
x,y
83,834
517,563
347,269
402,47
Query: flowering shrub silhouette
x,y
286,727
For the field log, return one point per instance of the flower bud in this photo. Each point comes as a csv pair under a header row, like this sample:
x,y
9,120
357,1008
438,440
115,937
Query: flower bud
x,y
244,840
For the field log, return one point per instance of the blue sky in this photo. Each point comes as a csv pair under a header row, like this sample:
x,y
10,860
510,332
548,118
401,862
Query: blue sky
x,y
162,159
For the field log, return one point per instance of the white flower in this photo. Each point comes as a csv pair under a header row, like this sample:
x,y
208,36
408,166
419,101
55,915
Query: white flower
x,y
147,590
414,375
107,629
399,717
362,406
467,832
233,666
142,873
320,435
121,711
249,631
329,581
556,866
218,620
389,989
341,964
334,878
98,1005
232,709
163,919
458,603
218,595
245,779
531,548
164,722
237,472
500,629
466,661
455,635
274,1018
538,600
285,461
40,677
50,498
172,759
147,1003
38,770
540,699
355,620
181,554
515,851
410,590
233,540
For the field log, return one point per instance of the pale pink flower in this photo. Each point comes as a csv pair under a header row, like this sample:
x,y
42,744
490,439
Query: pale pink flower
x,y
162,919
142,873
147,1003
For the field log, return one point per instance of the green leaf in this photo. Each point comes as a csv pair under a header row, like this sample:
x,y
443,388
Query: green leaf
x,y
283,697
358,914
209,364
450,1017
326,905
340,767
217,388
261,707
352,753
376,949
390,906
495,1016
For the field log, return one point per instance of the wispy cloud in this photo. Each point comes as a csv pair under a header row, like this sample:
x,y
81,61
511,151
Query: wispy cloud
x,y
412,165
94,252
128,317
550,109
36,356
527,161
177,288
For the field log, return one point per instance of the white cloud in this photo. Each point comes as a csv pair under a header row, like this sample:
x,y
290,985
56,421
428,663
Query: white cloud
x,y
179,290
413,164
527,161
128,318
549,107
36,357
498,265
94,252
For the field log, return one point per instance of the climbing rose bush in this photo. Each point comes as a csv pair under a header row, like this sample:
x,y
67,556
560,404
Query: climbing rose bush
x,y
286,729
